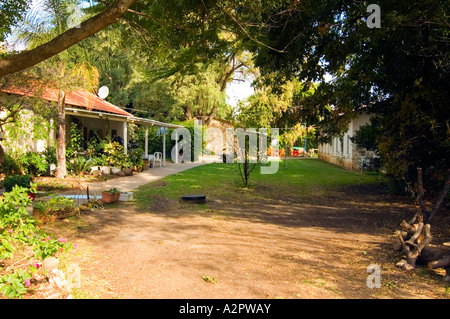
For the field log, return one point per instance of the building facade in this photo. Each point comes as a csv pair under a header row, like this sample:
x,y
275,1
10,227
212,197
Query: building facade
x,y
341,151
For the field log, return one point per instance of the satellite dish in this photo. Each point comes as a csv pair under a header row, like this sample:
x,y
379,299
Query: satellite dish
x,y
103,92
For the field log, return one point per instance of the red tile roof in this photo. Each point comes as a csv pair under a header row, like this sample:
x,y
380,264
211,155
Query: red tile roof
x,y
79,98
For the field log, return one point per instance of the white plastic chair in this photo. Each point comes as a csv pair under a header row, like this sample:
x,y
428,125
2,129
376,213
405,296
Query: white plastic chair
x,y
157,157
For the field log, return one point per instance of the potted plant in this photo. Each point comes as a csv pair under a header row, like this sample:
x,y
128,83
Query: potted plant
x,y
32,191
57,207
110,196
116,157
100,164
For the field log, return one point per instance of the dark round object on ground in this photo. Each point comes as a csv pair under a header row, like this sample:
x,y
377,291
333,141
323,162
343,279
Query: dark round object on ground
x,y
195,199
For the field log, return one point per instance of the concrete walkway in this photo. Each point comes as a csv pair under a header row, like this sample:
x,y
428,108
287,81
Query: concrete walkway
x,y
128,183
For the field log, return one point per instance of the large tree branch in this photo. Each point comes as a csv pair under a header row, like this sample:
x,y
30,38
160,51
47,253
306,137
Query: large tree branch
x,y
24,60
420,191
239,24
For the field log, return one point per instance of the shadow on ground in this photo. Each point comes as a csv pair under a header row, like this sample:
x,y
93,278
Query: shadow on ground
x,y
286,247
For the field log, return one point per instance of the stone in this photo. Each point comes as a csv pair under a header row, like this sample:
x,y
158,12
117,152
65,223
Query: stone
x,y
50,263
57,277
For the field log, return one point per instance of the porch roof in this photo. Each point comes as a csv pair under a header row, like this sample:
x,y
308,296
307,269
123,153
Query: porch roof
x,y
77,98
84,103
119,118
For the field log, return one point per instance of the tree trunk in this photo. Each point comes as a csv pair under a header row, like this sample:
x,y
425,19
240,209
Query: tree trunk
x,y
61,170
212,114
415,235
223,81
2,154
187,111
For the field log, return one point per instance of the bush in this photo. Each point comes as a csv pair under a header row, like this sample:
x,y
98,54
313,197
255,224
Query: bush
x,y
55,203
75,142
116,157
34,163
79,165
20,180
50,155
18,232
136,157
10,166
15,284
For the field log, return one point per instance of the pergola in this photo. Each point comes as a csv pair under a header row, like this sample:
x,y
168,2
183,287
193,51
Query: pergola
x,y
81,103
125,120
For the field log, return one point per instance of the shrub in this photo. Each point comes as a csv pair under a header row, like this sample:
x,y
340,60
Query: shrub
x,y
10,166
75,142
79,164
55,204
115,155
20,180
15,284
34,163
50,155
19,232
136,157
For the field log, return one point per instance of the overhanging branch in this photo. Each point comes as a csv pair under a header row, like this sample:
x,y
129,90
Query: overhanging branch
x,y
65,40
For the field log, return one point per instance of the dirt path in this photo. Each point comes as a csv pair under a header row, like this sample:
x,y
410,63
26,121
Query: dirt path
x,y
273,249
128,183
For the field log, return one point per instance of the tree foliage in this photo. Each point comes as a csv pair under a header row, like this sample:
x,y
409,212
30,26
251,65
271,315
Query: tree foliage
x,y
399,71
11,11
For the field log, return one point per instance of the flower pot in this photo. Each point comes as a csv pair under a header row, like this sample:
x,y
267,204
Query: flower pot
x,y
37,213
108,197
126,196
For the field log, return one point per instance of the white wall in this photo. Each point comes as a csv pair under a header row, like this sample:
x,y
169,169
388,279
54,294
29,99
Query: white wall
x,y
346,154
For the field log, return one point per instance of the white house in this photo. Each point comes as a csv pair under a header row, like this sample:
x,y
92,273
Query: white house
x,y
95,115
341,151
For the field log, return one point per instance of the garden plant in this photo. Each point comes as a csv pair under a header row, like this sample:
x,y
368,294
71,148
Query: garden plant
x,y
23,245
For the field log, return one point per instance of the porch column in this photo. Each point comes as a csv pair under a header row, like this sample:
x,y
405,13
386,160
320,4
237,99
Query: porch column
x,y
146,142
164,146
51,134
176,146
125,138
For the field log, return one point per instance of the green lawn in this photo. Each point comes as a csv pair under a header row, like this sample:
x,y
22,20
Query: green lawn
x,y
304,178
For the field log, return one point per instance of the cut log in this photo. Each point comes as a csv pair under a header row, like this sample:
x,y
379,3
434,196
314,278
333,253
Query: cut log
x,y
398,240
433,252
416,235
441,263
407,227
403,264
412,240
447,274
